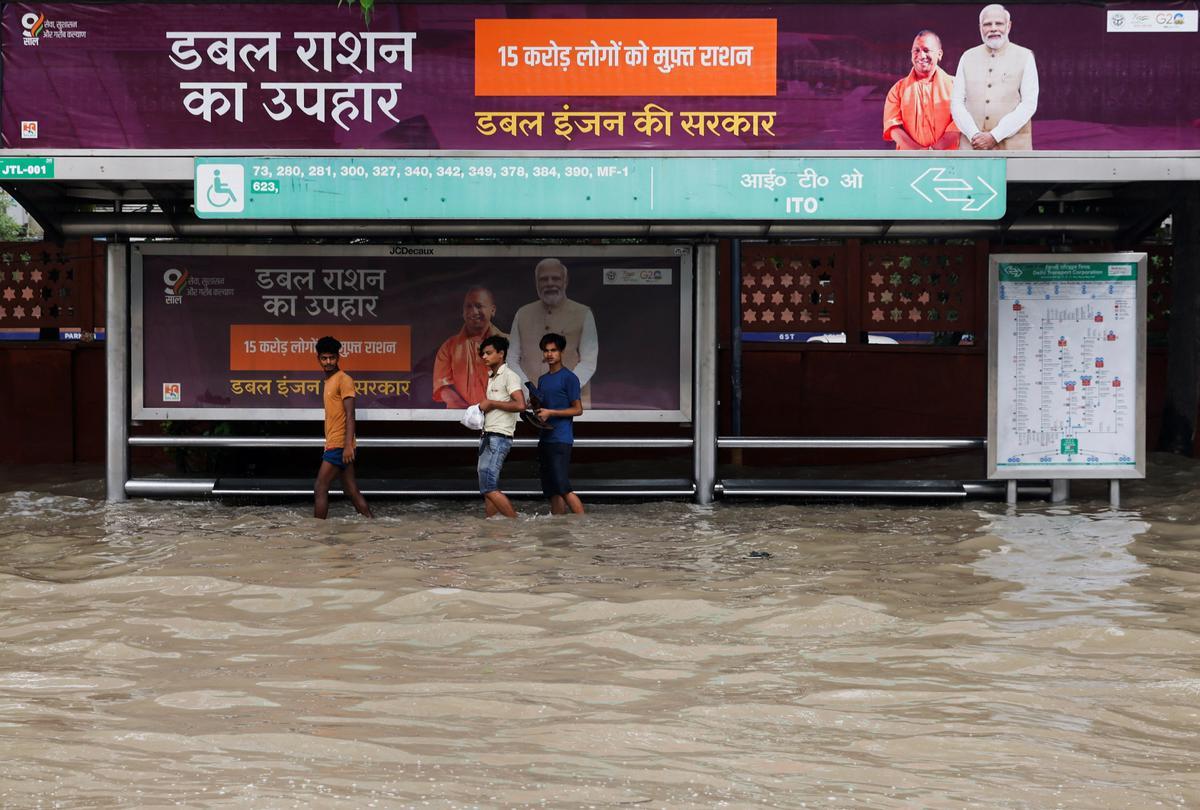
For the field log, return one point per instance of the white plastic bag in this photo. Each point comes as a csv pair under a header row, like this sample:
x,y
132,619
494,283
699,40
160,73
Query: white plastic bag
x,y
472,418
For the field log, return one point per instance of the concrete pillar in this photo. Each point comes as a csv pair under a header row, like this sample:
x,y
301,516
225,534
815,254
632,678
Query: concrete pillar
x,y
116,366
704,370
1060,490
1183,335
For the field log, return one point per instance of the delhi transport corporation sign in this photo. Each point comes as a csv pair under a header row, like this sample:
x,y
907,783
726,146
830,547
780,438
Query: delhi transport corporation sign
x,y
1067,366
600,188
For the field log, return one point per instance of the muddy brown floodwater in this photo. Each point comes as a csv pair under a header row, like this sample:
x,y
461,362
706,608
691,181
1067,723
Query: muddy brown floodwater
x,y
203,654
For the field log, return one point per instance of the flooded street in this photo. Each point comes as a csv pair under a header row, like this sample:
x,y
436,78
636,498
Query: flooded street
x,y
204,654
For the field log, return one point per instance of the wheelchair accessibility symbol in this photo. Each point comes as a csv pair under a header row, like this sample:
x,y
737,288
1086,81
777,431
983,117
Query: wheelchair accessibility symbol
x,y
220,188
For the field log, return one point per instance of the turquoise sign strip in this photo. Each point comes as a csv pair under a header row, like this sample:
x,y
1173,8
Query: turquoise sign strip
x,y
601,188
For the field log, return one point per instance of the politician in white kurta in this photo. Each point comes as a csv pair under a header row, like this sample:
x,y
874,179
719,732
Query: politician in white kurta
x,y
996,88
554,312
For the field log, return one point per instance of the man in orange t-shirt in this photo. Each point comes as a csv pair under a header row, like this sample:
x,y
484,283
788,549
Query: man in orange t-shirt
x,y
917,113
338,458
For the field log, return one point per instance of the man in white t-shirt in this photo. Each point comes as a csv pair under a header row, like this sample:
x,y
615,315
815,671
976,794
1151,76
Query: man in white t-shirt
x,y
501,406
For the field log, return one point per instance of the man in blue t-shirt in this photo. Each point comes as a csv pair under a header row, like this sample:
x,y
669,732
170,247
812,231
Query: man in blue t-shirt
x,y
558,392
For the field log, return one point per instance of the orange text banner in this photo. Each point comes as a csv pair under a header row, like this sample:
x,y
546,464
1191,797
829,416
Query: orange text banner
x,y
270,347
625,57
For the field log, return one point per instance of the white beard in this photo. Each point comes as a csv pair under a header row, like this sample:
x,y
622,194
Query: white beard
x,y
996,45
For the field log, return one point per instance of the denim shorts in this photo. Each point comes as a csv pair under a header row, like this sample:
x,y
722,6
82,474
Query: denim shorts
x,y
554,461
493,449
334,456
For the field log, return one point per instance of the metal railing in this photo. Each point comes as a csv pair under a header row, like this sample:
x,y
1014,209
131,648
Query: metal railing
x,y
410,442
846,443
216,487
813,488
642,488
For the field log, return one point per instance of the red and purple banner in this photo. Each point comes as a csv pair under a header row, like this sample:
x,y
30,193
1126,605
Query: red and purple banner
x,y
229,331
561,77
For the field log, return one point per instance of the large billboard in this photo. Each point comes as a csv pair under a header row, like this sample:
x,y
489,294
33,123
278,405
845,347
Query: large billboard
x,y
229,331
310,76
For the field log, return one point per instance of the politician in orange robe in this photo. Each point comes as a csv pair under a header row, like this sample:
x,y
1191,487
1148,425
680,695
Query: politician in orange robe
x,y
460,377
917,112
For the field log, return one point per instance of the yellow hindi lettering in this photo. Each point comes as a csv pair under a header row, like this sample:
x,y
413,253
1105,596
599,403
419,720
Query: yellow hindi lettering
x,y
250,387
587,123
764,120
701,123
521,123
484,123
531,122
693,123
562,123
652,119
613,122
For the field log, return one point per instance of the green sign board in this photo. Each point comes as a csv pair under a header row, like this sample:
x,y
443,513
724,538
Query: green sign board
x,y
1037,272
26,168
600,188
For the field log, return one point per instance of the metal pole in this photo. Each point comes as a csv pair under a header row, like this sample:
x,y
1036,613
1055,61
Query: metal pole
x,y
1011,493
704,401
1060,490
1114,493
735,344
116,368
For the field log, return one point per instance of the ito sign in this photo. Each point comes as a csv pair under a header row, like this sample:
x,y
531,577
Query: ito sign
x,y
601,188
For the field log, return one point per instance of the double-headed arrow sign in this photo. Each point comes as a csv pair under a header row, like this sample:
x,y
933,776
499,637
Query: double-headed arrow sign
x,y
954,189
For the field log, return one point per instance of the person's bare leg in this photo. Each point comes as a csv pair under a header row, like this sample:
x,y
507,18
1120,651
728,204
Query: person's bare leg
x,y
489,508
325,477
572,501
350,484
499,501
557,505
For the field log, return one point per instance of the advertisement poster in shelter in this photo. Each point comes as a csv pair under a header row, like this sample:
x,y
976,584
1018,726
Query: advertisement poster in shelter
x,y
525,76
229,331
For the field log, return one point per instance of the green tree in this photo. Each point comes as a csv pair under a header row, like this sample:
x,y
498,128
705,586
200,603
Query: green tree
x,y
10,229
367,7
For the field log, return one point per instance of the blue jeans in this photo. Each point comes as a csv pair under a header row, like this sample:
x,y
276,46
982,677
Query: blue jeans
x,y
493,449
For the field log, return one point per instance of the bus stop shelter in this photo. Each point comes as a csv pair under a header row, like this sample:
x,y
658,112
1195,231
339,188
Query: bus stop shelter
x,y
444,125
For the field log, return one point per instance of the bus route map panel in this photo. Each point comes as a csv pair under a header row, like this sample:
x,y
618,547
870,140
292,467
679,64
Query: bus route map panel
x,y
1067,366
